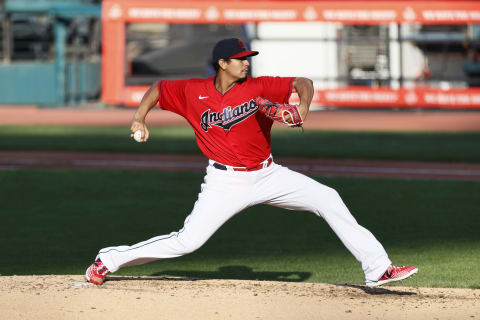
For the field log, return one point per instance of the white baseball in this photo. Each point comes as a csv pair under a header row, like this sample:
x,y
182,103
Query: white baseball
x,y
138,136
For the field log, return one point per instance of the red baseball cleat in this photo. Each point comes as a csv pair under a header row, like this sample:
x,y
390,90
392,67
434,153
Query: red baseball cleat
x,y
394,273
97,272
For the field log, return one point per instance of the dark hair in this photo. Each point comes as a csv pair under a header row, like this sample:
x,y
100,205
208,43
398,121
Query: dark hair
x,y
216,66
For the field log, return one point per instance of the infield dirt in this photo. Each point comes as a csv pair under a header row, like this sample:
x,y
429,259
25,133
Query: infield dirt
x,y
70,297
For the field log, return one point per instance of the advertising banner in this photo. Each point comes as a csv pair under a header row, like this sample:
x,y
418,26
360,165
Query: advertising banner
x,y
367,97
347,12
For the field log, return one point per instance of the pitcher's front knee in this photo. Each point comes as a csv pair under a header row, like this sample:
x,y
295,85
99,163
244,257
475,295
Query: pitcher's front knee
x,y
328,200
190,245
324,193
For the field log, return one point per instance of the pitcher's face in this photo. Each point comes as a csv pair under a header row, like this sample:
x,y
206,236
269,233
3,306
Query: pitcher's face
x,y
237,68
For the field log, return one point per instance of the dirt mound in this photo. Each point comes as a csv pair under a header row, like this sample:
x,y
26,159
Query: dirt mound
x,y
70,297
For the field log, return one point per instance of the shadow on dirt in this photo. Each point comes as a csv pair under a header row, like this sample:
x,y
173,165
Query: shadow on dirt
x,y
142,278
240,273
226,272
378,291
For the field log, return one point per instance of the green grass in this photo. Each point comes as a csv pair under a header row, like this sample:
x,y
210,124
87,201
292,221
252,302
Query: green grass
x,y
455,147
55,221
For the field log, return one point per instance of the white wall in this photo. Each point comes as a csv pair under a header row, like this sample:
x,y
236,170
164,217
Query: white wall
x,y
413,57
295,49
413,62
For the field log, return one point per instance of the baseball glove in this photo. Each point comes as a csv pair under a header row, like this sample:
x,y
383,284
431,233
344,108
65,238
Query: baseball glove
x,y
278,111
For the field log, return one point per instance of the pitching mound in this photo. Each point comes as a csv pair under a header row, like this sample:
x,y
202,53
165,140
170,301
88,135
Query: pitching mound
x,y
69,297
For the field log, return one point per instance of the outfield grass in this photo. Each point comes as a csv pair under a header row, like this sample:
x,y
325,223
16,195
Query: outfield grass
x,y
455,147
55,221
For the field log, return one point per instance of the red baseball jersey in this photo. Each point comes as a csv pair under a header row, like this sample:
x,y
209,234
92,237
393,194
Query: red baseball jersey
x,y
228,128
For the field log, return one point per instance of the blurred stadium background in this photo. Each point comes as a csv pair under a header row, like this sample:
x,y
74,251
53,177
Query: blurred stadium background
x,y
360,54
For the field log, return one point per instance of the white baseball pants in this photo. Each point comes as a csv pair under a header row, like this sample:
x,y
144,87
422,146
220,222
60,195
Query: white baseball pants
x,y
219,200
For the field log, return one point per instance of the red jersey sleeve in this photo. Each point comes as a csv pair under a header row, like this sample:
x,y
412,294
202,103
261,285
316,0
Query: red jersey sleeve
x,y
171,96
277,89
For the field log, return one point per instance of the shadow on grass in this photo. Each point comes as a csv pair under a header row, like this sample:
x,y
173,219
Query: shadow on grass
x,y
235,273
378,291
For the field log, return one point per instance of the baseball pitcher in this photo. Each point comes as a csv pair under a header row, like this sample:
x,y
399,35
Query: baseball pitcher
x,y
232,115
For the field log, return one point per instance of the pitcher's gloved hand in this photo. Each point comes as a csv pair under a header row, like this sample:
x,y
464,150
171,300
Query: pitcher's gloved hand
x,y
281,112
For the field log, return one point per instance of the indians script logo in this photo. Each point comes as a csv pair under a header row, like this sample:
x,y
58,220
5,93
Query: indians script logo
x,y
228,117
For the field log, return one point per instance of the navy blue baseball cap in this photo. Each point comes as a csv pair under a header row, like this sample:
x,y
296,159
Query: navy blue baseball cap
x,y
231,48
